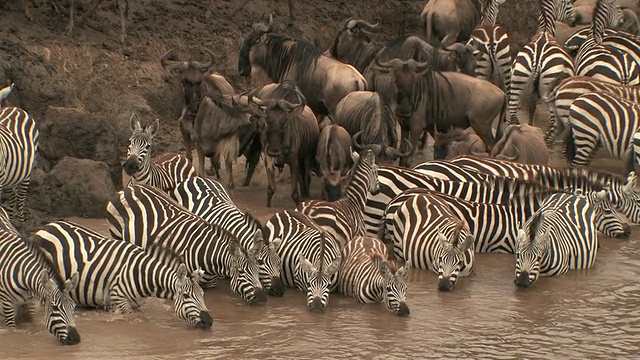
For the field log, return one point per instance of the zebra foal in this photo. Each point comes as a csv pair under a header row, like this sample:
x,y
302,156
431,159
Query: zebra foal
x,y
118,275
367,275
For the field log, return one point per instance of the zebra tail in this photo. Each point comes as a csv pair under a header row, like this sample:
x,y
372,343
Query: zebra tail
x,y
570,145
629,160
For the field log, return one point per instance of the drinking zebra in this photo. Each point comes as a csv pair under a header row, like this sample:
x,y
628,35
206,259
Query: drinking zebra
x,y
310,256
145,215
18,147
164,171
208,199
26,275
428,235
118,275
367,275
343,218
558,237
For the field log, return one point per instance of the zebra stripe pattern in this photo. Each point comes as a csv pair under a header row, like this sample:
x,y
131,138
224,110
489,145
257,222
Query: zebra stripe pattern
x,y
343,218
560,236
164,171
27,274
18,147
208,199
541,60
145,215
449,171
117,275
428,235
310,256
369,277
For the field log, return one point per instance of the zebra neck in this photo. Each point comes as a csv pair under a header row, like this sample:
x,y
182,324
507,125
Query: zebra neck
x,y
147,277
491,14
356,193
376,287
147,173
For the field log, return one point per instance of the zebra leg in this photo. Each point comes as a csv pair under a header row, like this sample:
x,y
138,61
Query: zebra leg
x,y
20,195
9,313
533,102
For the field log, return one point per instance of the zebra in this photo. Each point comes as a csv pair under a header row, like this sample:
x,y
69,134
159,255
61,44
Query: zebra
x,y
208,199
310,255
18,148
492,49
143,215
542,59
164,171
5,222
563,95
367,275
601,119
117,275
558,237
428,235
602,61
26,275
449,171
343,218
621,192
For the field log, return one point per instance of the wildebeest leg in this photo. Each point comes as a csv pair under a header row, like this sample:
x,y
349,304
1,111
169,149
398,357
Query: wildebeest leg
x,y
201,158
253,157
305,176
270,168
296,180
70,24
123,6
93,8
228,166
291,16
185,129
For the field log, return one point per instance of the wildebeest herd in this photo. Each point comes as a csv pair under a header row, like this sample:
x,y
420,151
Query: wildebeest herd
x,y
347,115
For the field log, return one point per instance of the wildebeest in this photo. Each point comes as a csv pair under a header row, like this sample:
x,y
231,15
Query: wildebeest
x,y
290,136
522,143
449,21
355,45
371,124
456,142
324,81
224,129
426,99
334,160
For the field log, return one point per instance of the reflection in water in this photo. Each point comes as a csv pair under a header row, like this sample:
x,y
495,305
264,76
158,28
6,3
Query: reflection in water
x,y
582,314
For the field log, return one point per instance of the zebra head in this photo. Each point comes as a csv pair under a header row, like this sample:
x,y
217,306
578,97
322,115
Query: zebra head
x,y
395,289
626,199
245,280
139,151
59,308
365,164
607,220
531,246
270,264
189,298
452,257
319,276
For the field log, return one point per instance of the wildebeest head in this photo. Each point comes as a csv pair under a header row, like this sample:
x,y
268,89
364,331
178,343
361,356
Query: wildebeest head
x,y
354,44
139,151
255,37
462,56
405,74
456,142
279,112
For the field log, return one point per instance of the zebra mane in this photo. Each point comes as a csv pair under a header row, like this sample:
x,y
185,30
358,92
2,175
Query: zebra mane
x,y
164,254
456,231
596,180
534,224
515,188
34,245
321,253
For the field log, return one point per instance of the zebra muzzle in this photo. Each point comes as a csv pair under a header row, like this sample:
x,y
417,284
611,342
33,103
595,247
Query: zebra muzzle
x,y
403,309
276,288
130,166
445,283
316,304
205,320
522,280
72,338
258,297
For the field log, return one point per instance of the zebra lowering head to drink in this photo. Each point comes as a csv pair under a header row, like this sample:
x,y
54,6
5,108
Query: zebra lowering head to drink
x,y
146,215
560,236
27,275
310,256
118,275
208,199
367,275
164,171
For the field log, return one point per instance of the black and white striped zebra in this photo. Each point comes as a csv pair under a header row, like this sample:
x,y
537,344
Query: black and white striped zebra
x,y
620,192
18,147
343,218
603,61
541,60
369,276
144,215
208,199
428,235
164,171
118,275
449,171
558,237
26,274
492,49
310,255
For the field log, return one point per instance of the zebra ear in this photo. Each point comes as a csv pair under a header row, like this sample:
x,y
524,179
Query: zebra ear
x,y
306,265
134,123
543,241
275,244
600,195
152,130
72,283
47,281
196,275
402,272
234,248
380,264
334,266
443,240
355,157
466,244
630,185
181,273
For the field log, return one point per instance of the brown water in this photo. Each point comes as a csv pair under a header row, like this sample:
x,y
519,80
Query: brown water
x,y
590,313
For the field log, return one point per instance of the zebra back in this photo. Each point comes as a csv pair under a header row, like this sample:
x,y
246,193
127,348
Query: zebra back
x,y
449,171
368,275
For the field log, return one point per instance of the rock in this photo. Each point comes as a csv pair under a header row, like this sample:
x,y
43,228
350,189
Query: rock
x,y
77,133
74,187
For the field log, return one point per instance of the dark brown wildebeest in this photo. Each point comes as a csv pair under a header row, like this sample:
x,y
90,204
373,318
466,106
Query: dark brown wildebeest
x,y
425,100
456,142
224,129
290,136
522,143
334,160
445,22
371,124
271,58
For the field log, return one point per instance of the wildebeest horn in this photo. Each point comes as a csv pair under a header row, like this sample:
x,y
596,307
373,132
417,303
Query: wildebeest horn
x,y
351,23
269,103
172,64
418,67
262,27
457,47
395,64
204,66
509,158
395,153
357,144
